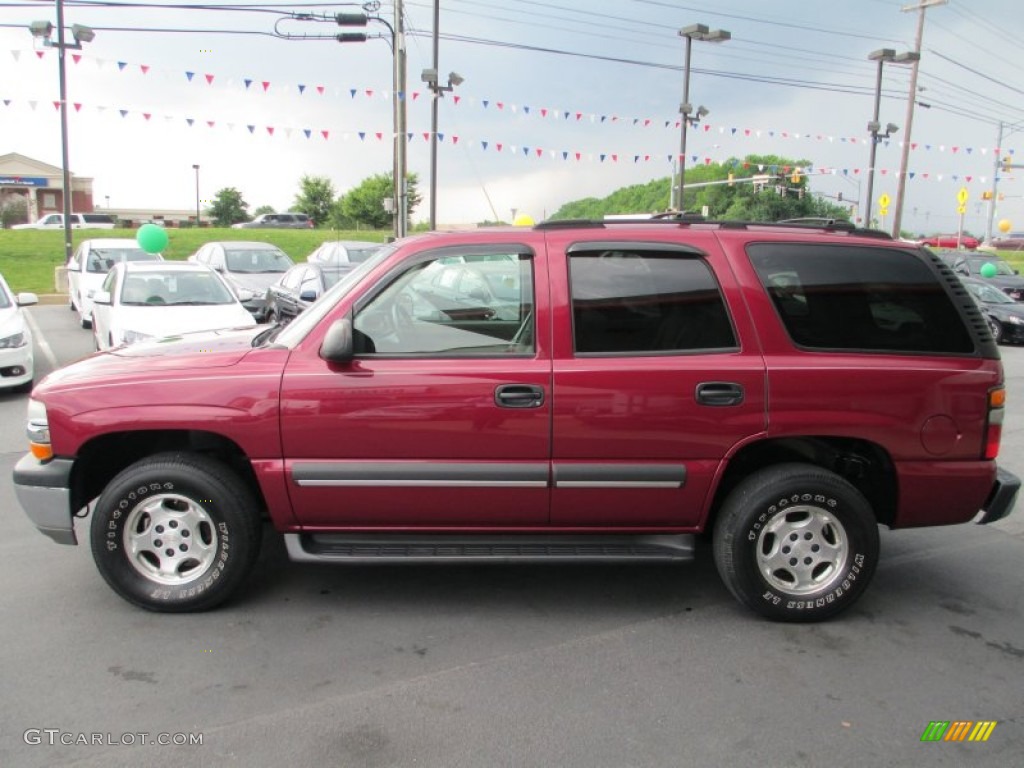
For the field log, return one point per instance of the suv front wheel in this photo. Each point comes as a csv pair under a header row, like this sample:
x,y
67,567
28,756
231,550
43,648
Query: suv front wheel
x,y
175,532
795,542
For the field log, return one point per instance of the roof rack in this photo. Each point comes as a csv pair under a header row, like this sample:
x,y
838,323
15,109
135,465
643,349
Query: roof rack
x,y
676,218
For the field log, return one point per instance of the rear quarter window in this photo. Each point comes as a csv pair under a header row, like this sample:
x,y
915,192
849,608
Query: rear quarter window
x,y
840,297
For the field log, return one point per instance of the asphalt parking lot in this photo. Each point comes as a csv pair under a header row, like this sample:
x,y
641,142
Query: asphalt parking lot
x,y
507,666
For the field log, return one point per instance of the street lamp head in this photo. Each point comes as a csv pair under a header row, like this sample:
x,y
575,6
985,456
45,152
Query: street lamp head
x,y
41,29
907,57
429,76
702,111
454,78
195,167
694,30
891,128
701,32
686,109
882,54
718,36
874,126
82,33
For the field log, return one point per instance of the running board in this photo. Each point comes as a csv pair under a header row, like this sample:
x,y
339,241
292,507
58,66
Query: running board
x,y
495,548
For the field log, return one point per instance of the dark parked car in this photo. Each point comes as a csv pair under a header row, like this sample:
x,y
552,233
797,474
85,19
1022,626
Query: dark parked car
x,y
1005,316
1012,241
952,241
948,255
1005,277
301,286
343,252
249,268
277,221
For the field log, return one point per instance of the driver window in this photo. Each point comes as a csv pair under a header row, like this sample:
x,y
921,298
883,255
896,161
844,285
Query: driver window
x,y
472,305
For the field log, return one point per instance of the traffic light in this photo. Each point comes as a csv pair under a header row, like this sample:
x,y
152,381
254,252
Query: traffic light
x,y
839,197
731,177
1007,163
350,20
986,195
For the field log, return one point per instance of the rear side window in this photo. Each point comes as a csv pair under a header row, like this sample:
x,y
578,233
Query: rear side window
x,y
645,302
97,218
859,298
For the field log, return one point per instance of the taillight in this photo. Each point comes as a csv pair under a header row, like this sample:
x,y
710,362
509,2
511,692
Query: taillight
x,y
994,427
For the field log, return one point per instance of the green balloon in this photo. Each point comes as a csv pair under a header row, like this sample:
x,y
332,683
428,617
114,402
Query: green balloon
x,y
151,238
988,269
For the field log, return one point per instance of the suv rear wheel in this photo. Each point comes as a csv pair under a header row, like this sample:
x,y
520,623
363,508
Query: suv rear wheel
x,y
175,532
795,542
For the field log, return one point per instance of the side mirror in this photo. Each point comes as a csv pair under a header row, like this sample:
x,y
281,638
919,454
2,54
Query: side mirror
x,y
27,299
308,295
101,297
337,346
244,295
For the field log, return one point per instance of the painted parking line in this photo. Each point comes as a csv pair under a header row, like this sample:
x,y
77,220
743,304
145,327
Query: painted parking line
x,y
41,342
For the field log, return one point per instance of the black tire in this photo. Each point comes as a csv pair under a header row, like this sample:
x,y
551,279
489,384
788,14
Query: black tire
x,y
795,542
996,328
85,323
175,532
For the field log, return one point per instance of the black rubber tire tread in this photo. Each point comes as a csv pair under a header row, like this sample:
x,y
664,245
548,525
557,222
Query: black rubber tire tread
x,y
226,499
996,328
748,508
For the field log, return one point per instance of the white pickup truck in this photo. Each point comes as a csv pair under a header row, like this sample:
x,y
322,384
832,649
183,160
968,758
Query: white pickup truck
x,y
78,221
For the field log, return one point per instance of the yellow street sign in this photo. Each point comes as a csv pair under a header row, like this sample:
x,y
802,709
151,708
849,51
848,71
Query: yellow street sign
x,y
961,209
884,200
883,211
961,196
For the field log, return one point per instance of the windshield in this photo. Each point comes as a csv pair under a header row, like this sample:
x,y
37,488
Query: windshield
x,y
296,330
102,259
178,288
257,261
1002,268
361,254
989,294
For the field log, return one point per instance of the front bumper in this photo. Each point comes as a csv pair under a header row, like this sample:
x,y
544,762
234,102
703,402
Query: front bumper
x,y
1002,498
44,492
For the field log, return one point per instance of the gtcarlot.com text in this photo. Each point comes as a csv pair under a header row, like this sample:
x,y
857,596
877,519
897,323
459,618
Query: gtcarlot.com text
x,y
56,736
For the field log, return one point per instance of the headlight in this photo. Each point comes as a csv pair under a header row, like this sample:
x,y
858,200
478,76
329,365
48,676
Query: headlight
x,y
10,342
1014,320
132,337
38,431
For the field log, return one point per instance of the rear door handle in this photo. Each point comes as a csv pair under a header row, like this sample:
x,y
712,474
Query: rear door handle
x,y
519,396
719,393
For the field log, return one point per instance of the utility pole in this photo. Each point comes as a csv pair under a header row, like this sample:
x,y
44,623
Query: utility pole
x,y
901,183
401,141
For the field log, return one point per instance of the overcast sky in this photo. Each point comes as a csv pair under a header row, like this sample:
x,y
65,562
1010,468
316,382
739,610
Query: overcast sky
x,y
561,100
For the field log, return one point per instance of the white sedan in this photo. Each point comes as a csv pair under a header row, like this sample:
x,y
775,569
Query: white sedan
x,y
16,360
147,300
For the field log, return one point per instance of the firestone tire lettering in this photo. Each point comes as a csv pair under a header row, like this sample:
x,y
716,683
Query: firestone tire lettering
x,y
824,508
221,508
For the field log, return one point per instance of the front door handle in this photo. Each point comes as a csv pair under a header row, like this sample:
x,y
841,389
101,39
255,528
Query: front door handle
x,y
719,393
519,396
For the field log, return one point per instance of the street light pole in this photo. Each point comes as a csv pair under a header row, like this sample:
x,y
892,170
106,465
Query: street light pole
x,y
881,56
691,33
196,169
901,183
401,192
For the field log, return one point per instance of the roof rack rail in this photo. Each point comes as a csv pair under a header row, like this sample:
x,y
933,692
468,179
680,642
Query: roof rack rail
x,y
568,224
684,219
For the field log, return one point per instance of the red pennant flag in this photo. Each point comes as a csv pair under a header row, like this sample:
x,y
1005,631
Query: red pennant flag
x,y
706,127
968,178
369,93
56,105
379,136
210,123
76,57
78,107
540,152
455,139
209,79
544,111
426,136
266,86
579,115
615,158
913,145
500,104
457,99
40,54
647,122
577,155
707,161
147,115
144,68
270,130
324,134
498,147
415,95
955,149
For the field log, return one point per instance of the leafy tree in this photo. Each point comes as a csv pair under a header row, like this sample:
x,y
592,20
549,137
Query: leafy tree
x,y
13,210
263,209
363,205
783,194
315,198
228,208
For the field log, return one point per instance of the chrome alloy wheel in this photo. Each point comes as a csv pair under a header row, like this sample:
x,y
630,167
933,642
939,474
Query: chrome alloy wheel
x,y
803,549
170,539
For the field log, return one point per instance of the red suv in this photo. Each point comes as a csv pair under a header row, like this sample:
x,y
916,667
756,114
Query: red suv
x,y
573,391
